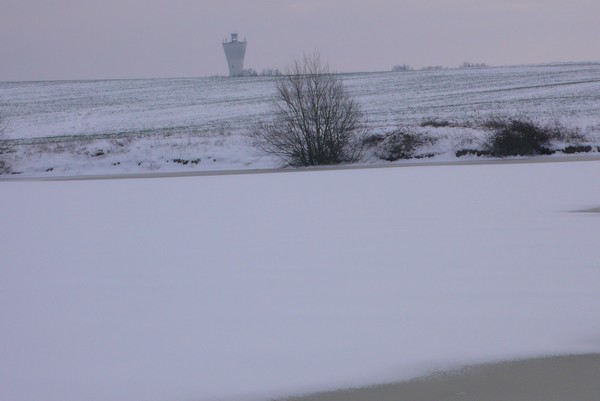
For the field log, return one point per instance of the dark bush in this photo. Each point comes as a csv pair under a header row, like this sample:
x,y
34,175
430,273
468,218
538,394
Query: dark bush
x,y
186,162
518,137
577,149
316,120
475,152
401,145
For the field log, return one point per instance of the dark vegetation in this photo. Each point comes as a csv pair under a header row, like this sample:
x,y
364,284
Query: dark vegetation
x,y
433,68
401,68
266,72
522,136
578,149
507,136
185,162
316,121
468,64
518,137
399,144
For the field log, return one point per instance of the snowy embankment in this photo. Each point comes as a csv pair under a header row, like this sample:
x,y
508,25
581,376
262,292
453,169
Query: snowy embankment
x,y
226,152
246,287
76,128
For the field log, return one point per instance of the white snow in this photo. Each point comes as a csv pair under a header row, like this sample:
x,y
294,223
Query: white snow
x,y
110,127
247,287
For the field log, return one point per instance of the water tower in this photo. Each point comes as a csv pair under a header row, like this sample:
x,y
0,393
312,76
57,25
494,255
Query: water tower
x,y
235,51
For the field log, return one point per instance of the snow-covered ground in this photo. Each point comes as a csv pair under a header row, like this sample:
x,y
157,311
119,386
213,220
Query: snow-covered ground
x,y
122,126
244,287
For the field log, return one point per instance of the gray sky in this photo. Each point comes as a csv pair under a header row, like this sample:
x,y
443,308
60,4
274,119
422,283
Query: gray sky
x,y
81,39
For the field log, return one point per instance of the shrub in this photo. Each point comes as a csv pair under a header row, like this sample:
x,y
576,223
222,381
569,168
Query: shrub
x,y
577,149
316,121
185,162
517,137
475,152
401,145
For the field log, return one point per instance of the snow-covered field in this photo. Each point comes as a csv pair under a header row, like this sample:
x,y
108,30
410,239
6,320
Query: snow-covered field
x,y
245,287
95,127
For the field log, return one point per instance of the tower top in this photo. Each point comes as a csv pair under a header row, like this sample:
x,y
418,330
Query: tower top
x,y
234,39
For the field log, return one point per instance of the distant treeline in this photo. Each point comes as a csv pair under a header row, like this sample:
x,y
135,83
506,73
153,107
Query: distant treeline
x,y
405,67
266,72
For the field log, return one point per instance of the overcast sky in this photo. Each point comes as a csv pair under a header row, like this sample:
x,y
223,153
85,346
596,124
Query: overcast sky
x,y
91,39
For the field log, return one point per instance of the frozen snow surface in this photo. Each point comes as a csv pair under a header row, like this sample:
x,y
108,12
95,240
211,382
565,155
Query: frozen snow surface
x,y
247,287
117,126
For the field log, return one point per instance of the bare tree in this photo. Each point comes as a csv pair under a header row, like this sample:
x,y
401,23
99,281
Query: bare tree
x,y
316,121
